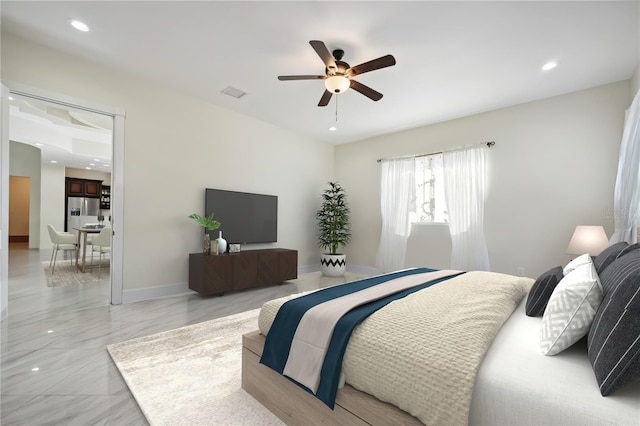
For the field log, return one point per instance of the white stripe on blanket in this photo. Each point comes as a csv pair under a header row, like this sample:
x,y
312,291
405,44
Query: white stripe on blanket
x,y
314,331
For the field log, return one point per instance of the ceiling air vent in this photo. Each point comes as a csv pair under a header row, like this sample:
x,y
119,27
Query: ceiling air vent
x,y
232,91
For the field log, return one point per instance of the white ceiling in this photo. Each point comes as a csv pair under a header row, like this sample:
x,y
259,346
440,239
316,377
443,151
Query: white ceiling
x,y
69,138
454,58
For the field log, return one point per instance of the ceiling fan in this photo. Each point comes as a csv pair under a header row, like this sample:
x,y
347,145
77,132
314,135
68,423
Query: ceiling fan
x,y
338,74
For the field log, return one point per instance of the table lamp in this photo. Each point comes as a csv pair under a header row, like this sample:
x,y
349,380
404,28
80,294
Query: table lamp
x,y
588,239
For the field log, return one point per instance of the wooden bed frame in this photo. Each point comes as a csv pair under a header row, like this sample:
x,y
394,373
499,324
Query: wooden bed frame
x,y
295,406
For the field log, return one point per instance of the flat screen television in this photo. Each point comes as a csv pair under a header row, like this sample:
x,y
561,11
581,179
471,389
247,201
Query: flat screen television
x,y
245,217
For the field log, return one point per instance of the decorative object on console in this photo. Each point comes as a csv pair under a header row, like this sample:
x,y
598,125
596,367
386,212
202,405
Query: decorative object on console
x,y
234,248
209,224
333,229
222,243
588,239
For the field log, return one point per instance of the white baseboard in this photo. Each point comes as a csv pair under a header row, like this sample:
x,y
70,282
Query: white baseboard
x,y
361,269
356,269
308,268
138,295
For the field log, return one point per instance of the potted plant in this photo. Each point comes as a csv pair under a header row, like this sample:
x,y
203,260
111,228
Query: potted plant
x,y
333,229
209,224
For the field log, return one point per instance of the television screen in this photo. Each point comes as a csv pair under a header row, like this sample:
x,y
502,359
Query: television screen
x,y
245,217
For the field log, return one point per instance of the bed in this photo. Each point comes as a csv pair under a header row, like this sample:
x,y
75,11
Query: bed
x,y
512,382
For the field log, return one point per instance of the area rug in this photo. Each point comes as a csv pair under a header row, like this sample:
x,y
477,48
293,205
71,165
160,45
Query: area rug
x,y
192,375
66,273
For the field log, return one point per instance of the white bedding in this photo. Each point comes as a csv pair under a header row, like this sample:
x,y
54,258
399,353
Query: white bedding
x,y
517,385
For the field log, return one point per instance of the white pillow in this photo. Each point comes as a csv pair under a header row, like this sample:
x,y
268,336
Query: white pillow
x,y
571,309
578,261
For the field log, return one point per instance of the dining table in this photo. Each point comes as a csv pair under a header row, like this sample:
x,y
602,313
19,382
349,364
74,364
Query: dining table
x,y
82,242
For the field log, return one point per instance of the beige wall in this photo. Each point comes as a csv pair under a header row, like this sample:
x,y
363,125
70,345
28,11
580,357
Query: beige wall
x,y
19,206
175,147
88,174
553,167
635,82
24,160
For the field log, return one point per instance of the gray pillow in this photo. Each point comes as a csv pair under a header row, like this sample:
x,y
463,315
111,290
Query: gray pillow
x,y
608,255
614,337
542,290
628,249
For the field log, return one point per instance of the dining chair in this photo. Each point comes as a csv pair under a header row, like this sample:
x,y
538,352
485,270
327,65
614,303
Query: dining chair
x,y
65,241
101,243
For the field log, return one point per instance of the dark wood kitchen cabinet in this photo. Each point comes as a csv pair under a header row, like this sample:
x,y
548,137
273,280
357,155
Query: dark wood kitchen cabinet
x,y
76,187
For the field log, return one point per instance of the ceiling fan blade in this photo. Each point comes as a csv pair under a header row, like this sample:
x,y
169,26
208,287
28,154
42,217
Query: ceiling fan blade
x,y
326,97
301,77
365,90
376,64
324,54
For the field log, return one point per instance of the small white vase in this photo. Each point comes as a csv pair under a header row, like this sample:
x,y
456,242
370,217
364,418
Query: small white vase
x,y
222,243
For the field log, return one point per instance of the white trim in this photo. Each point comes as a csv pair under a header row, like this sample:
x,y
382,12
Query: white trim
x,y
308,268
4,201
361,269
356,269
141,294
117,174
61,99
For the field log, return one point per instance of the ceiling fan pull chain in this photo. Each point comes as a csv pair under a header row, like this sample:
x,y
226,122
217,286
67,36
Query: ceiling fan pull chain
x,y
337,108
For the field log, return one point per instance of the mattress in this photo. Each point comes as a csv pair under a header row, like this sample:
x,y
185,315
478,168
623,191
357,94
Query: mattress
x,y
517,385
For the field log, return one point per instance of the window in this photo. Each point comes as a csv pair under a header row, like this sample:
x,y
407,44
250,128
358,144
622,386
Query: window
x,y
430,203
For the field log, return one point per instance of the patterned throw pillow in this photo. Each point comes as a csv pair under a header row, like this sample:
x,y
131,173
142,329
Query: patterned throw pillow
x,y
608,255
570,310
542,290
577,262
614,338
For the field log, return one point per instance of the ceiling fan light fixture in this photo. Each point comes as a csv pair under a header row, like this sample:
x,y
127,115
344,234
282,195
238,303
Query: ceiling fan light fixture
x,y
337,83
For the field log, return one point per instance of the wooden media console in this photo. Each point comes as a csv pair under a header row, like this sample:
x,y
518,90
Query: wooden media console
x,y
218,274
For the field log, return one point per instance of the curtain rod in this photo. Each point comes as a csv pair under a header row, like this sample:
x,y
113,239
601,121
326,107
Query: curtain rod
x,y
379,160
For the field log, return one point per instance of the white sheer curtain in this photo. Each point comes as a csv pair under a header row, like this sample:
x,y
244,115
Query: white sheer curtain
x,y
626,201
464,188
397,196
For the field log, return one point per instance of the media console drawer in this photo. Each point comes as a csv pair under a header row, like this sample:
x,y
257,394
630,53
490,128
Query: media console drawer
x,y
217,274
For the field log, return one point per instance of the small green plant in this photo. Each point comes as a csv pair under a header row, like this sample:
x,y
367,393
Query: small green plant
x,y
206,222
333,219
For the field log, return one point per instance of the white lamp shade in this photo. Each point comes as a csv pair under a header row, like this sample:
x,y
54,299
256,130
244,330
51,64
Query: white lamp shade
x,y
588,239
337,83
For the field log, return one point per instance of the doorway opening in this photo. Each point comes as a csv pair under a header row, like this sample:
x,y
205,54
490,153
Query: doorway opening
x,y
84,117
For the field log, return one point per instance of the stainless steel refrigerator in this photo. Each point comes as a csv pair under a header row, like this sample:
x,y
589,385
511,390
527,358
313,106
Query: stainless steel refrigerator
x,y
80,211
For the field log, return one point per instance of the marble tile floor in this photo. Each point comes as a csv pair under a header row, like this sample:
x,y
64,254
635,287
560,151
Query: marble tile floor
x,y
54,367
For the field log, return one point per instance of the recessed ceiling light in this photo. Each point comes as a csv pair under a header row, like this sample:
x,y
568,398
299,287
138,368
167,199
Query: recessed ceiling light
x,y
333,128
92,164
549,66
79,25
54,161
10,98
97,160
39,144
88,168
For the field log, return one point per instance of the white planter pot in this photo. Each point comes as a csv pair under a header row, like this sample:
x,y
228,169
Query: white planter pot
x,y
333,265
